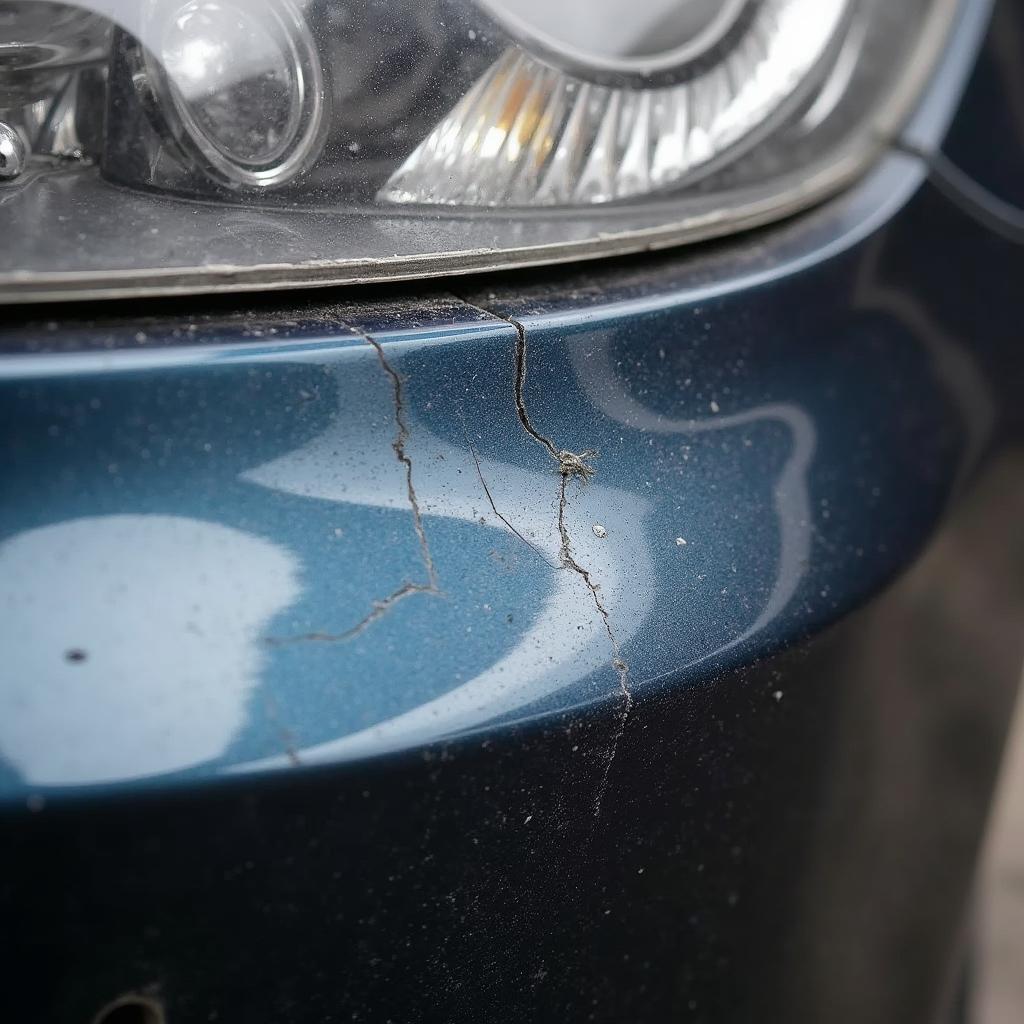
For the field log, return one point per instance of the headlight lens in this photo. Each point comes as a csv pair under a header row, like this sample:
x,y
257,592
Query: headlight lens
x,y
356,139
528,134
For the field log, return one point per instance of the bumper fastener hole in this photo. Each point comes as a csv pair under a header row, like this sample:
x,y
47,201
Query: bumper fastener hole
x,y
131,1010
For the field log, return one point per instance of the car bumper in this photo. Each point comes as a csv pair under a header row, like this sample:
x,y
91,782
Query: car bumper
x,y
335,691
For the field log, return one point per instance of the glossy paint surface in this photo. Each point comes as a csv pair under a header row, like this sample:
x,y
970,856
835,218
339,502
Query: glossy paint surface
x,y
305,611
326,695
367,493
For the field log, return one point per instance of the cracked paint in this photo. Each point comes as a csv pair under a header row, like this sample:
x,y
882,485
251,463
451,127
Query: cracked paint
x,y
576,466
494,508
570,464
398,445
562,638
383,605
380,608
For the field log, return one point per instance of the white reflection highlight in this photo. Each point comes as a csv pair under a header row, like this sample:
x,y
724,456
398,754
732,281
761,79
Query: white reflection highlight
x,y
595,369
131,643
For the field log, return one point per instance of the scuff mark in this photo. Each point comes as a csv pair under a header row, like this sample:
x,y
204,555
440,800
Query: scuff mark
x,y
571,466
383,605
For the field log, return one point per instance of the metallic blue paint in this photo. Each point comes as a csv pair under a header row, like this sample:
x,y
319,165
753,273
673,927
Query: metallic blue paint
x,y
256,483
456,763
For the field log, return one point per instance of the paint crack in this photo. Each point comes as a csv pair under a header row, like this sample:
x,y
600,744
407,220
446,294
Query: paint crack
x,y
570,464
398,446
573,465
494,508
620,666
382,606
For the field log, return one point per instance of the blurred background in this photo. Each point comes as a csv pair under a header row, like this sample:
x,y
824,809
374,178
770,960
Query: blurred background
x,y
1000,968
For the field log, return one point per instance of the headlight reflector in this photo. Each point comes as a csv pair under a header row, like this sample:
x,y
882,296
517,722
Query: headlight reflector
x,y
528,135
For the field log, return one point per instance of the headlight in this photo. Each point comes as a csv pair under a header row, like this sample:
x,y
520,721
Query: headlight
x,y
175,145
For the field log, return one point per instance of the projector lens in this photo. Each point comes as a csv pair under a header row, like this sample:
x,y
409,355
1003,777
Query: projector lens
x,y
240,86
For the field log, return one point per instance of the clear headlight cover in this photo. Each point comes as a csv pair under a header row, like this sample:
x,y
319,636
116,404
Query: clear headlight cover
x,y
192,145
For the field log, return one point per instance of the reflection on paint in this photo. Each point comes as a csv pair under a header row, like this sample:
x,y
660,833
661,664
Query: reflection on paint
x,y
565,641
595,370
131,643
